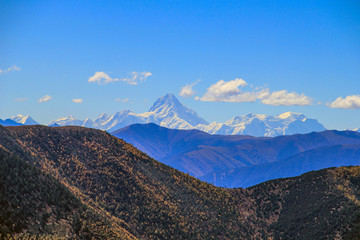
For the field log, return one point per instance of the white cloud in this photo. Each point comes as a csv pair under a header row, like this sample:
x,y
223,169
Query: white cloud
x,y
133,79
349,102
20,99
101,77
10,69
136,77
125,100
77,100
229,92
187,90
286,98
45,98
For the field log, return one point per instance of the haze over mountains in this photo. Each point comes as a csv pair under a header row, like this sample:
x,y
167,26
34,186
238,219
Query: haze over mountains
x,y
242,161
295,165
168,111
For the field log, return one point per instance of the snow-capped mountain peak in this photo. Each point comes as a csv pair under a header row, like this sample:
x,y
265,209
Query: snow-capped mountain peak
x,y
122,113
169,106
26,120
292,116
240,120
104,115
354,129
102,118
70,117
66,121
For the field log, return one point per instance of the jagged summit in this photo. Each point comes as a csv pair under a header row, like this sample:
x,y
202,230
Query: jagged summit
x,y
286,115
170,107
245,118
265,125
168,100
104,115
102,118
67,121
26,120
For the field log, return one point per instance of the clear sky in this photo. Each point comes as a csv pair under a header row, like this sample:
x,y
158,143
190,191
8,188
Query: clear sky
x,y
220,58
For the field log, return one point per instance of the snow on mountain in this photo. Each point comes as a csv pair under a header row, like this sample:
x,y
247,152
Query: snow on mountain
x,y
354,129
67,121
298,123
122,119
25,120
215,128
169,112
88,123
103,118
265,125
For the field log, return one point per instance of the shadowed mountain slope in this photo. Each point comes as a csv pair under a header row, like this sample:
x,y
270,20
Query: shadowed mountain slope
x,y
9,122
160,142
202,154
314,159
154,201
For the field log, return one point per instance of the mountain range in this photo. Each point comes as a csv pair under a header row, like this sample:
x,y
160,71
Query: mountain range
x,y
81,183
242,161
9,122
168,111
18,121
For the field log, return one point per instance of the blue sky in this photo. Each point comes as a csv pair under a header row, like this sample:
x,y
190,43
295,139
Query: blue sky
x,y
272,57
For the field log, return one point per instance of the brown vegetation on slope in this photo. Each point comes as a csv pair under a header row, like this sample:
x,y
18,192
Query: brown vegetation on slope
x,y
154,201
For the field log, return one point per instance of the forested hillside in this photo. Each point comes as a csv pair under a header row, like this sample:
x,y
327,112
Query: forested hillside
x,y
135,195
35,204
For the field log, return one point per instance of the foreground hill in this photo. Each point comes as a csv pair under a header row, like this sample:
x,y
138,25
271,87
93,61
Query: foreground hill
x,y
241,161
316,205
34,203
154,201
